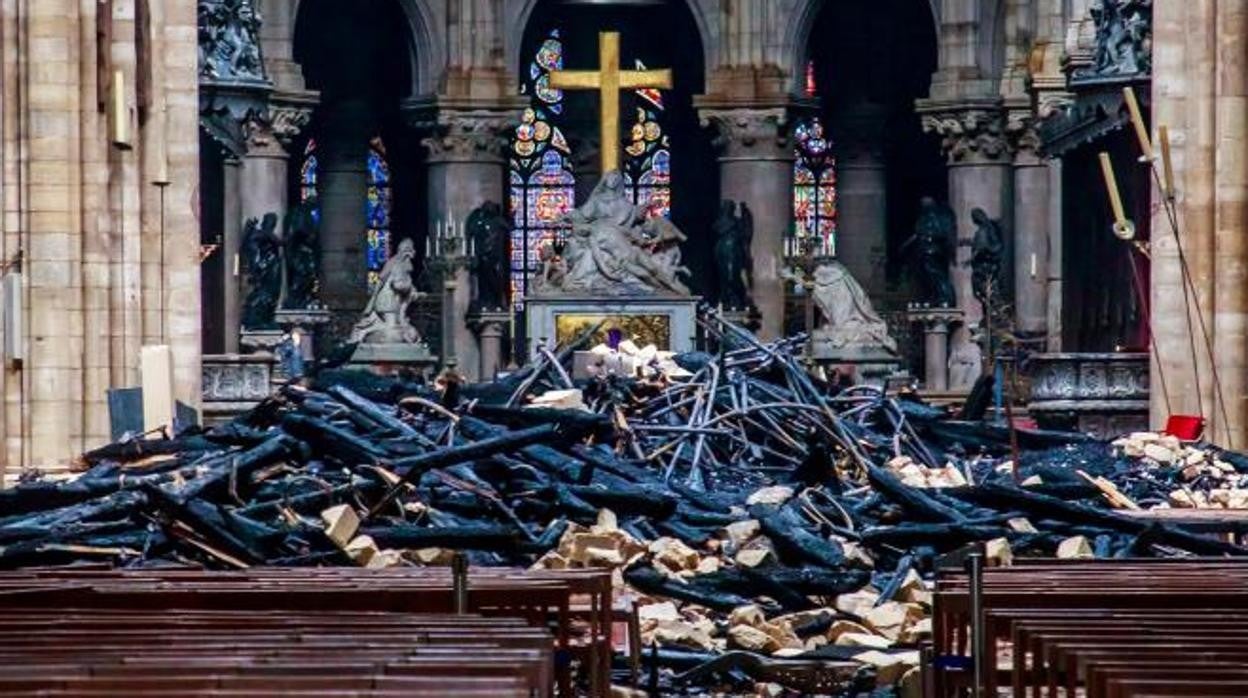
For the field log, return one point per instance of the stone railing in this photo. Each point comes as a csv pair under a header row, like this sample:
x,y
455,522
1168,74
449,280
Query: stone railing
x,y
235,383
1101,394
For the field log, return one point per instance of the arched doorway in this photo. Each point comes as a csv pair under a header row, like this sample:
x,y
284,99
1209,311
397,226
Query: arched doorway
x,y
866,64
359,160
670,164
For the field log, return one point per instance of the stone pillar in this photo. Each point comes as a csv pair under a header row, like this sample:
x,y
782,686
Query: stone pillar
x,y
465,168
491,328
756,167
862,196
231,244
980,176
343,188
1031,229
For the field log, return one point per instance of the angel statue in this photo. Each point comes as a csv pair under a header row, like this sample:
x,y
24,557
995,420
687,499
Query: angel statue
x,y
385,318
850,321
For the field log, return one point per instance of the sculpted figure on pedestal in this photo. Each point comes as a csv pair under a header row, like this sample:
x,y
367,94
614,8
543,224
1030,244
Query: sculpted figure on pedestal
x,y
262,263
613,249
385,318
490,233
733,262
931,250
850,321
987,249
303,256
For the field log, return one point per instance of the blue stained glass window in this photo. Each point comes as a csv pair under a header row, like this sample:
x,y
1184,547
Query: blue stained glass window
x,y
309,179
377,213
542,186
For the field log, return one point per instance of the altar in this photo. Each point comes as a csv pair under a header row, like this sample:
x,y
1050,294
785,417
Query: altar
x,y
666,322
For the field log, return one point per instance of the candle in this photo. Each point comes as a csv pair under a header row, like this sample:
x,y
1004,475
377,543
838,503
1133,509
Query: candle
x,y
1111,184
1163,134
428,247
1033,265
1137,120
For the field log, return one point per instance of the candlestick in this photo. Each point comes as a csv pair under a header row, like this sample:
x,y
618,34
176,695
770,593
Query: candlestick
x,y
1111,184
1137,120
1167,166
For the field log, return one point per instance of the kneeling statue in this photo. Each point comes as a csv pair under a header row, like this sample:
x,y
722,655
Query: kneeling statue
x,y
385,318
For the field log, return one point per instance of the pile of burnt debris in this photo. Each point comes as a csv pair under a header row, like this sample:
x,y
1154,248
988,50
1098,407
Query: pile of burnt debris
x,y
754,513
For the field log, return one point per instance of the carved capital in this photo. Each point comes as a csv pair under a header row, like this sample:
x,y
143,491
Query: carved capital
x,y
1022,127
288,121
471,135
747,133
970,134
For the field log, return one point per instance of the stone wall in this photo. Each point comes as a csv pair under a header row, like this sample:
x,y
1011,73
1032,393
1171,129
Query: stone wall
x,y
107,269
1200,85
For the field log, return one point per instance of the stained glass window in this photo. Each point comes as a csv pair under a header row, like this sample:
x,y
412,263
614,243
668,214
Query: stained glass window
x,y
377,212
309,179
814,178
648,161
542,183
814,183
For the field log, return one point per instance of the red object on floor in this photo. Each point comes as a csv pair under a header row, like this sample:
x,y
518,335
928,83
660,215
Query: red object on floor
x,y
1185,426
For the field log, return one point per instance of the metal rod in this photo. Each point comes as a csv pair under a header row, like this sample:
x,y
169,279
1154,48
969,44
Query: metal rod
x,y
975,570
459,582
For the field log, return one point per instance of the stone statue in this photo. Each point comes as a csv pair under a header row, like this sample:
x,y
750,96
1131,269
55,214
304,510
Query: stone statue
x,y
987,249
850,322
1123,38
931,250
229,41
966,360
385,318
303,256
733,261
262,262
490,233
613,249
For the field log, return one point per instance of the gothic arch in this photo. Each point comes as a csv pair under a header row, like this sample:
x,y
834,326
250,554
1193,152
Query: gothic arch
x,y
427,52
797,36
519,12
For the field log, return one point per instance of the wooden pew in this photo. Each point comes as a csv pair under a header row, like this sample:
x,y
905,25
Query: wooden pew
x,y
1072,627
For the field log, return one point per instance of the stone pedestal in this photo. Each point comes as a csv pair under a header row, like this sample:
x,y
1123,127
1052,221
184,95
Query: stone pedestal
x,y
261,341
867,366
756,167
668,323
393,359
937,324
491,328
309,323
1101,394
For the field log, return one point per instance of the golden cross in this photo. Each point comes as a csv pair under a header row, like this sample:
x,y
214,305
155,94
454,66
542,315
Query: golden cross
x,y
609,80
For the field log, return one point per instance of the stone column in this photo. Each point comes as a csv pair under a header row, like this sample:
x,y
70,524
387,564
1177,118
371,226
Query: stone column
x,y
231,244
1031,228
491,328
756,167
862,196
465,168
980,176
343,188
